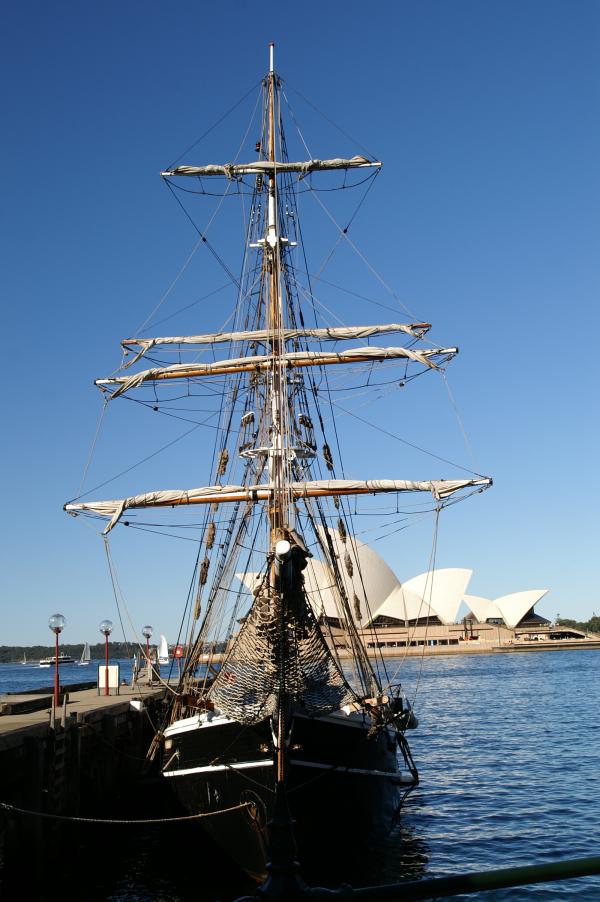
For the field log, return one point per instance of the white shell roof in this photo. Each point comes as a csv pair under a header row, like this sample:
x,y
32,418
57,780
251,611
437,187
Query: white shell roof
x,y
511,608
436,593
442,589
404,604
372,581
319,588
483,608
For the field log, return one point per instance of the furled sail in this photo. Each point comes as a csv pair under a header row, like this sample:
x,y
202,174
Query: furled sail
x,y
337,333
264,362
271,167
439,488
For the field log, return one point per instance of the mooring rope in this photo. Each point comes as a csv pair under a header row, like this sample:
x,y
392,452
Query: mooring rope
x,y
95,820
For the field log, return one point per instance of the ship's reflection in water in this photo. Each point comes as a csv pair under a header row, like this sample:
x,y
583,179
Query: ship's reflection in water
x,y
179,863
402,855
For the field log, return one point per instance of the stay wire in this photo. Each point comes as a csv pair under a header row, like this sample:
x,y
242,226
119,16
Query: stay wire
x,y
116,589
203,239
331,122
119,593
189,306
139,463
202,233
258,84
406,442
355,294
359,253
459,420
92,448
410,636
344,232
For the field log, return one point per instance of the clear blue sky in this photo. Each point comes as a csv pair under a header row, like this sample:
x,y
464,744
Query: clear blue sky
x,y
485,220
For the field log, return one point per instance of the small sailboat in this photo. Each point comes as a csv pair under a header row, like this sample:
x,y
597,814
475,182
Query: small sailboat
x,y
85,655
163,651
285,701
24,661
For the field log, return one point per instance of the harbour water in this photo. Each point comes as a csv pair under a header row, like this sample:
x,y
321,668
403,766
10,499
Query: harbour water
x,y
507,750
24,677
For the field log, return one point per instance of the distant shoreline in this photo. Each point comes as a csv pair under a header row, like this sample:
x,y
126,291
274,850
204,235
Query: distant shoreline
x,y
473,648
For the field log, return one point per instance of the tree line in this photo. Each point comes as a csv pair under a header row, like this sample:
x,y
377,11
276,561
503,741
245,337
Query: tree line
x,y
11,654
587,626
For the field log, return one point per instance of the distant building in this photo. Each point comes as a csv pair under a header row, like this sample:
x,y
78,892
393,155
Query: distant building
x,y
377,598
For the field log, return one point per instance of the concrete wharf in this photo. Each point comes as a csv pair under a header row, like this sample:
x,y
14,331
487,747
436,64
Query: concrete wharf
x,y
78,760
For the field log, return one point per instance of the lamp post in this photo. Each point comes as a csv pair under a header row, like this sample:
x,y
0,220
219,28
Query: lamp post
x,y
57,624
106,628
147,632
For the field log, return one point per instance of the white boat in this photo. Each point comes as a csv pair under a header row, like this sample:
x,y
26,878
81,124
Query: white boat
x,y
50,661
270,714
85,656
163,651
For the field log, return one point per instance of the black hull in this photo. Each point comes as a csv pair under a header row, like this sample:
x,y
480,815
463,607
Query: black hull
x,y
343,787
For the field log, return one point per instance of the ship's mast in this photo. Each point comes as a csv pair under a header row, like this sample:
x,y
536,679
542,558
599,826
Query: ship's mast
x,y
278,462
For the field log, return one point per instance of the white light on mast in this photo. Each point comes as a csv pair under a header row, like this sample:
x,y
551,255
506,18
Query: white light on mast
x,y
271,54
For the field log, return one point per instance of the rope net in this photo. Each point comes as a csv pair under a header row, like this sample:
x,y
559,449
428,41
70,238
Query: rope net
x,y
250,681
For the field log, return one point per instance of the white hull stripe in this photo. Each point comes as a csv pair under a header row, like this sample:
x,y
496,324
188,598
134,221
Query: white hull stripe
x,y
213,768
353,770
246,765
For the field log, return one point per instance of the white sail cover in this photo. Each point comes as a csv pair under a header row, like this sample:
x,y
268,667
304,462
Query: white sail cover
x,y
439,488
265,362
325,333
269,167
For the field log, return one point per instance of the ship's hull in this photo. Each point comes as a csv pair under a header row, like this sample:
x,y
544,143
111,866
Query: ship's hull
x,y
343,786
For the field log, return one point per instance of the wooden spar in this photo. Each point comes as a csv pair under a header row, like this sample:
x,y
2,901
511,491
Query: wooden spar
x,y
297,490
291,361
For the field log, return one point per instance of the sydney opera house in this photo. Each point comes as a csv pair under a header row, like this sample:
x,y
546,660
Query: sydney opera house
x,y
432,609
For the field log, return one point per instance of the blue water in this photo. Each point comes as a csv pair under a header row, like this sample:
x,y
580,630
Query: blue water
x,y
23,677
508,749
508,754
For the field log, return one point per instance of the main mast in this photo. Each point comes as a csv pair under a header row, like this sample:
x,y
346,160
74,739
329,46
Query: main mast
x,y
278,458
278,462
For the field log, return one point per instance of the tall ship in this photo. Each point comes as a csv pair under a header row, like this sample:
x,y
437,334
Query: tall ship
x,y
271,717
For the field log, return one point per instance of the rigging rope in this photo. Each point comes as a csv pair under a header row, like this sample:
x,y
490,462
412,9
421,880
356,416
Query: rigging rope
x,y
92,447
117,591
410,636
258,84
124,822
405,441
363,258
454,405
330,121
144,460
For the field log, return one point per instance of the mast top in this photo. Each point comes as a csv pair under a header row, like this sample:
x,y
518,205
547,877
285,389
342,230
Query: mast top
x,y
271,55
